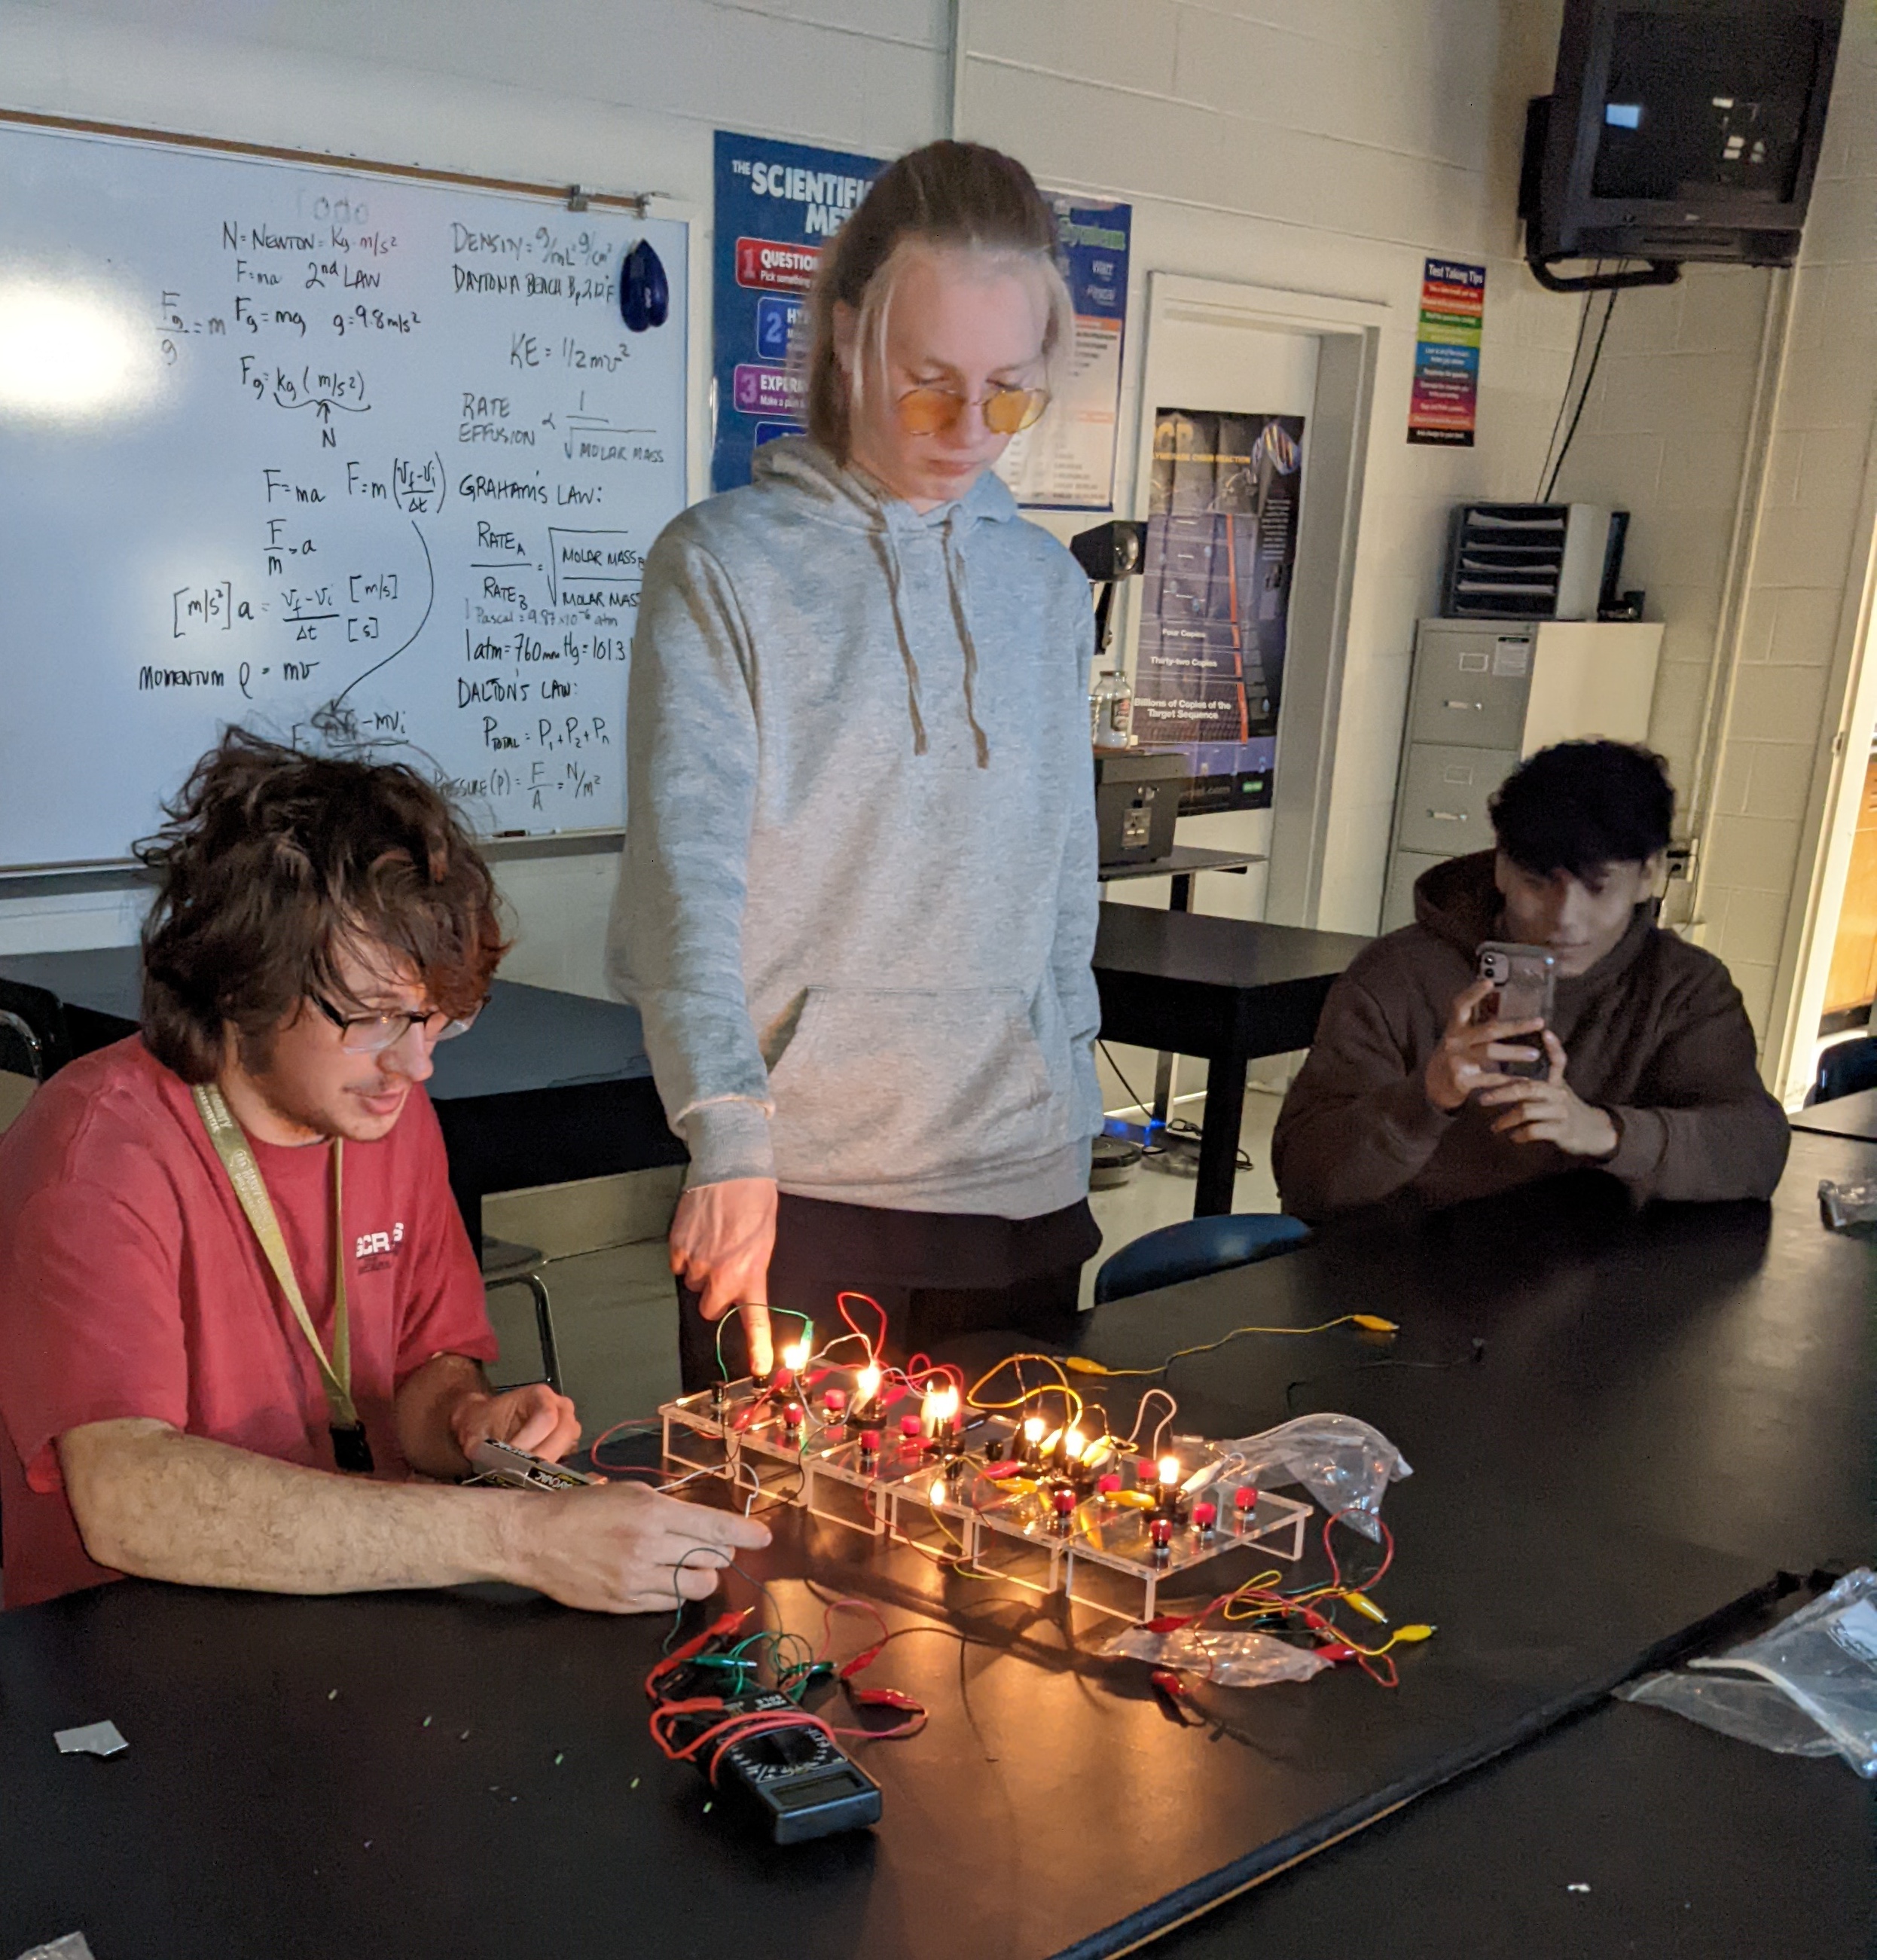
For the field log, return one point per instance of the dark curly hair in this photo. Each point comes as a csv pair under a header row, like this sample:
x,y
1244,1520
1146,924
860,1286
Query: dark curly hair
x,y
270,863
1580,805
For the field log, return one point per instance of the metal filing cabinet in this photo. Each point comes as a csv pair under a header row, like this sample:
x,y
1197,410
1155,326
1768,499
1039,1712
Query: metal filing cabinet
x,y
1487,692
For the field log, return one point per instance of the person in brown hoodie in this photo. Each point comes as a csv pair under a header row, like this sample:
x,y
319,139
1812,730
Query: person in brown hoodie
x,y
1651,1073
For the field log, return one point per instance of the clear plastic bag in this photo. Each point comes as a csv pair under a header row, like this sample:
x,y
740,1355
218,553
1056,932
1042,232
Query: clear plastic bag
x,y
1845,1205
1750,1710
1821,1664
1231,1656
1344,1465
67,1946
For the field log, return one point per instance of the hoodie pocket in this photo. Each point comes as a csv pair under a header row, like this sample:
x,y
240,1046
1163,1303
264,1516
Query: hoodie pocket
x,y
887,1087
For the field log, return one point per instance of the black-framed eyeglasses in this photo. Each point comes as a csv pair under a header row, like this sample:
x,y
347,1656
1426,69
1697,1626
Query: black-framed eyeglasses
x,y
372,1034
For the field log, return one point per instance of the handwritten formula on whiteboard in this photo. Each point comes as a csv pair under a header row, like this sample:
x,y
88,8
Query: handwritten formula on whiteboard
x,y
370,465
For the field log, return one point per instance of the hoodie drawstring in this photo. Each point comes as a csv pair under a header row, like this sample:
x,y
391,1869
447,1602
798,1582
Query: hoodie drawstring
x,y
961,613
891,550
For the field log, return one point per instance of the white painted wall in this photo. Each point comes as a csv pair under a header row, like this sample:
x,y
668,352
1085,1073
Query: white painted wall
x,y
1327,146
619,95
1791,718
1331,148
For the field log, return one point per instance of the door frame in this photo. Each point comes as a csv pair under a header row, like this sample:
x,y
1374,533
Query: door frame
x,y
1348,332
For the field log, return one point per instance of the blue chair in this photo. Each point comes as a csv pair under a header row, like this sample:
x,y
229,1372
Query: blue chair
x,y
1844,1068
1195,1247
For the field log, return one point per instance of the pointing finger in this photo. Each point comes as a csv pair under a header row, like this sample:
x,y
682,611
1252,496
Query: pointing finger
x,y
757,1336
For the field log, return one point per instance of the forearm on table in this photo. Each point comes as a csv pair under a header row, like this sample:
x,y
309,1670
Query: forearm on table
x,y
1355,1150
1722,1150
153,1502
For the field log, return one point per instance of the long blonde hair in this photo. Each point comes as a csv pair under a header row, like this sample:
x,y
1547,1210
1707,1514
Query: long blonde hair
x,y
950,196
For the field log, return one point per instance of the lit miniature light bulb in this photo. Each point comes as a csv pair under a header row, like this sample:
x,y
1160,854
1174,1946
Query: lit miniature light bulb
x,y
1169,1469
867,1384
1032,1437
1074,1444
792,1361
938,1411
938,1494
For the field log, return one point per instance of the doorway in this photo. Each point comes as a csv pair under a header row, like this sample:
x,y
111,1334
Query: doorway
x,y
1215,347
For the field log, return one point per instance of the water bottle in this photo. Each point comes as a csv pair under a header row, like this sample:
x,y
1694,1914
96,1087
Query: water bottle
x,y
1111,710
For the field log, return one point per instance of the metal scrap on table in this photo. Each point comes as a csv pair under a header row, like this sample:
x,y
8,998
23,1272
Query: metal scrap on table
x,y
94,1738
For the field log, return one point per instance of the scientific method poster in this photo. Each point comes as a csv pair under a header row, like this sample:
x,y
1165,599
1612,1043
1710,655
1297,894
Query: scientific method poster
x,y
1222,548
1067,462
777,204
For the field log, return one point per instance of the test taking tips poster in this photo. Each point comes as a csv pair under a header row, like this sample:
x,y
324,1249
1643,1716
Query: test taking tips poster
x,y
1445,405
777,204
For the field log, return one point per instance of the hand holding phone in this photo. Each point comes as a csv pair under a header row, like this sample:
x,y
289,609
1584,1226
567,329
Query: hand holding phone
x,y
1474,1053
1524,981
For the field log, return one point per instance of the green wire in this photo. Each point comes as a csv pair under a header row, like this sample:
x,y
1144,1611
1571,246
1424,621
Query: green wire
x,y
790,1312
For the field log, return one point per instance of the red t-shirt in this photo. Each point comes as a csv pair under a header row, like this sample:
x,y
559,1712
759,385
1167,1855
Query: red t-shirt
x,y
131,1284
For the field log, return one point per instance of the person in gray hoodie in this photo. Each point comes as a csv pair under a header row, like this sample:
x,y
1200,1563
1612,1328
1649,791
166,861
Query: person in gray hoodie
x,y
857,903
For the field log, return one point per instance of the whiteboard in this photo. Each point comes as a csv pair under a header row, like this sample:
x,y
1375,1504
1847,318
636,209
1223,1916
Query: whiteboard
x,y
366,464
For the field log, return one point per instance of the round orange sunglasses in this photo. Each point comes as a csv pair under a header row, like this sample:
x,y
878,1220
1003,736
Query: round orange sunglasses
x,y
1007,411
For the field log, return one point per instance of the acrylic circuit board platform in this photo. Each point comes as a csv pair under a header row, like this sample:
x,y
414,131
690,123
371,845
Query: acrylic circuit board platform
x,y
1001,1495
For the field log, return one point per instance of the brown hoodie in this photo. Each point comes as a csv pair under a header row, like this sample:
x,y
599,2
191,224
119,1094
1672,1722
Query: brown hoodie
x,y
1654,1033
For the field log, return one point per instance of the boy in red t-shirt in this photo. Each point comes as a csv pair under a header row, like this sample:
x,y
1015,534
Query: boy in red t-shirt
x,y
237,1304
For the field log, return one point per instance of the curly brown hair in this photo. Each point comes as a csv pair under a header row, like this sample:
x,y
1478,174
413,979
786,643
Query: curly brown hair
x,y
271,862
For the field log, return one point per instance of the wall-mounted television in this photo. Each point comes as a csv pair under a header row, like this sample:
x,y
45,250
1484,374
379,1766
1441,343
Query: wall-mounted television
x,y
1676,131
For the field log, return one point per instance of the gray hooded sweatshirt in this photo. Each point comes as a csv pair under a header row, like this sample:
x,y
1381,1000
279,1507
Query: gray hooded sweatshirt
x,y
857,902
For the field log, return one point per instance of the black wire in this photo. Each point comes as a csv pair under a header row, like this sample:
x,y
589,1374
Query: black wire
x,y
1563,400
1145,1109
1472,1358
1174,1126
1590,375
1186,1133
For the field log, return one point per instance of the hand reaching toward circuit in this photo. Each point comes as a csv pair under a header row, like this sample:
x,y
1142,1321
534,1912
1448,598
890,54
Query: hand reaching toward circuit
x,y
1465,1059
721,1239
622,1548
1551,1112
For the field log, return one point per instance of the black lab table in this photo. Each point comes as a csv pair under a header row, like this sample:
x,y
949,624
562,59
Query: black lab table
x,y
1229,989
1617,1426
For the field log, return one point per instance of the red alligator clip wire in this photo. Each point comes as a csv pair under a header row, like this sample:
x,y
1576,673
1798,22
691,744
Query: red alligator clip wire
x,y
724,1623
885,1698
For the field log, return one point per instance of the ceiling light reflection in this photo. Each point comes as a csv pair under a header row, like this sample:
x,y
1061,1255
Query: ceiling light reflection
x,y
69,353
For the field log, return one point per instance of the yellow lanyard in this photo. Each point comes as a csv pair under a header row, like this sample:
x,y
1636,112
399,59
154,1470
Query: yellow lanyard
x,y
244,1174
